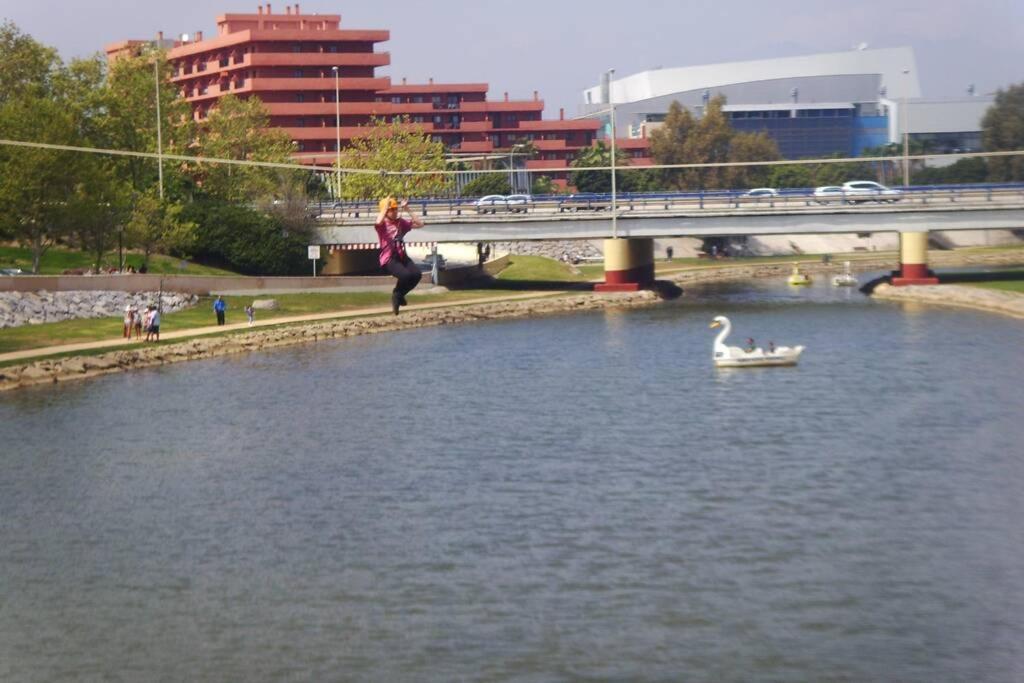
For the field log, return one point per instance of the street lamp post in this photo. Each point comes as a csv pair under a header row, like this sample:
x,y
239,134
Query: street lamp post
x,y
337,131
611,105
511,168
159,128
906,131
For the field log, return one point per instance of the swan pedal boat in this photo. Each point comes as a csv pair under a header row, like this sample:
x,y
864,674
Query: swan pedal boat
x,y
846,278
735,357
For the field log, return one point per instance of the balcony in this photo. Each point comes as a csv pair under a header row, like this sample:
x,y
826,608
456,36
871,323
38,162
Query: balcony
x,y
319,84
477,126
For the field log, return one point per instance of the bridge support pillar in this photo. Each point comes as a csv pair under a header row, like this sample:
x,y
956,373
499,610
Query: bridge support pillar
x,y
628,264
914,261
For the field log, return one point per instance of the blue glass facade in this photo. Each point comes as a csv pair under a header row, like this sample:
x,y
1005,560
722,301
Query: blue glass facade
x,y
814,133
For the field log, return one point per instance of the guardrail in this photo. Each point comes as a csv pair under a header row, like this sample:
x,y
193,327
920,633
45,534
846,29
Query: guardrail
x,y
790,198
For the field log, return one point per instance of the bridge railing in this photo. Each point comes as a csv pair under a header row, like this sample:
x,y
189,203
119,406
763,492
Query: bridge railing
x,y
363,210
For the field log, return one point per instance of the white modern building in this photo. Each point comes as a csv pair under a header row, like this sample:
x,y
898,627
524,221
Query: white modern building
x,y
814,105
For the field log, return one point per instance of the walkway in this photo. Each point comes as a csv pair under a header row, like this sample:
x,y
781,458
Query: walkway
x,y
120,343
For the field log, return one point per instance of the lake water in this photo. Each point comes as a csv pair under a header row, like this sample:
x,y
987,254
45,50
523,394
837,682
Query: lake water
x,y
568,498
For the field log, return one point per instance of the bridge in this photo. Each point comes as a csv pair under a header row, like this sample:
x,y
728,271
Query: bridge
x,y
629,235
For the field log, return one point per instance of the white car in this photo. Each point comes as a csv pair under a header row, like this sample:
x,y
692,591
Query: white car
x,y
492,203
829,193
762,192
519,203
869,190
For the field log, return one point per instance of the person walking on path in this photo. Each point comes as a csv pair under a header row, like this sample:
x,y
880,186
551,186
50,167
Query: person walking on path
x,y
147,322
154,324
219,306
129,320
250,313
391,231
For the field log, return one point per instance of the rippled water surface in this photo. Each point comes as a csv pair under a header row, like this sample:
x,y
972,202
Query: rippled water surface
x,y
569,498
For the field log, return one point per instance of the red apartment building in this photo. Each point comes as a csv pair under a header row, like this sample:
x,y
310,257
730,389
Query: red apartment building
x,y
288,61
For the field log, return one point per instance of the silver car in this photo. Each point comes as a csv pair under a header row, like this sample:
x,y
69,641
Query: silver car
x,y
519,203
827,194
492,203
869,190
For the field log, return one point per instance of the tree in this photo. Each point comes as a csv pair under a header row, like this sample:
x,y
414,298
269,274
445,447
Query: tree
x,y
27,68
129,121
543,185
488,183
1002,129
159,224
668,144
244,239
99,208
36,185
708,143
750,147
239,130
599,155
389,148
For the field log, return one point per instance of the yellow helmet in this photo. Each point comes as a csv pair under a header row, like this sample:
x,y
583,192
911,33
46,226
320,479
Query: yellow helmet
x,y
388,203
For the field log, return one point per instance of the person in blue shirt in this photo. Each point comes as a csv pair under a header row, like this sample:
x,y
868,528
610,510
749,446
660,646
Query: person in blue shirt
x,y
219,306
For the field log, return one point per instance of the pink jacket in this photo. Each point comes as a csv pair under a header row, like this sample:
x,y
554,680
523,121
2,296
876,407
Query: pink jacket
x,y
391,234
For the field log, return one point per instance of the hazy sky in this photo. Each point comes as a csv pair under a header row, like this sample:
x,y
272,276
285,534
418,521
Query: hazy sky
x,y
560,47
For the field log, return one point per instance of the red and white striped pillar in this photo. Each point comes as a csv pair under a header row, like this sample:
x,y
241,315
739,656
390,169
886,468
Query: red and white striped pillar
x,y
628,264
914,261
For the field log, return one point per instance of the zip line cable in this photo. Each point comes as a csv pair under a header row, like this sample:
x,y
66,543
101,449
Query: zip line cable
x,y
562,169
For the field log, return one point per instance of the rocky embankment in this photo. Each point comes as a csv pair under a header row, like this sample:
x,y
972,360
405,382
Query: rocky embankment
x,y
961,296
80,367
36,308
569,251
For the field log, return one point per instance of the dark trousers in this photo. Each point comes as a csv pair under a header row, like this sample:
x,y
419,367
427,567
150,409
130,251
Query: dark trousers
x,y
407,272
220,317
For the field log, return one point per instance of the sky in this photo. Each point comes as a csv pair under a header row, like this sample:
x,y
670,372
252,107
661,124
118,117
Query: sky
x,y
560,47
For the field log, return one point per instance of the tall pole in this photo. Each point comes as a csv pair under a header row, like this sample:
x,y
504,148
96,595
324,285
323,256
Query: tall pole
x,y
337,130
906,132
159,128
511,171
611,104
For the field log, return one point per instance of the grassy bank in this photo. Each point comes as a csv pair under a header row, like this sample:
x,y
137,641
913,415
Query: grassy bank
x,y
56,260
201,315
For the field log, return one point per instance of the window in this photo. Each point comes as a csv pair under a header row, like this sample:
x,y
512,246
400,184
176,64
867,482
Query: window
x,y
332,48
418,99
300,97
296,48
300,122
395,99
297,73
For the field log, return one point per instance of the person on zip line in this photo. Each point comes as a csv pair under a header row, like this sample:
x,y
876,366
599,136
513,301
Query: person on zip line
x,y
391,231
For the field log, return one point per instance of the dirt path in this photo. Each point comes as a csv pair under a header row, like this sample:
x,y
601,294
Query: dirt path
x,y
121,343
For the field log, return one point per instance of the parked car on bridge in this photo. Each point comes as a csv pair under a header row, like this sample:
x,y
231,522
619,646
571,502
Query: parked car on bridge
x,y
762,192
492,203
869,190
519,203
827,194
